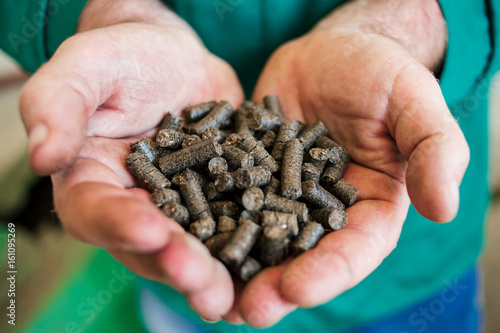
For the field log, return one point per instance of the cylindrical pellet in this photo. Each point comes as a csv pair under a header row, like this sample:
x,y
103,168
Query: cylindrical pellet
x,y
236,157
311,133
241,122
226,223
216,166
248,269
192,192
274,187
259,153
268,139
291,170
188,157
318,196
176,212
347,193
146,172
330,218
191,140
283,220
240,244
203,229
225,182
310,172
272,103
252,215
259,119
253,198
224,208
288,131
160,196
214,132
144,147
307,239
325,142
168,138
276,203
252,177
196,112
215,243
171,122
318,157
273,245
216,117
212,194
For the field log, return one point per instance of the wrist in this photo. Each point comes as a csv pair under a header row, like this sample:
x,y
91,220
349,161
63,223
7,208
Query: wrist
x,y
416,25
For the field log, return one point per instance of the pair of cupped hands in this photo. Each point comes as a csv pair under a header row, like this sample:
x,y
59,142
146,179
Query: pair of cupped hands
x,y
113,82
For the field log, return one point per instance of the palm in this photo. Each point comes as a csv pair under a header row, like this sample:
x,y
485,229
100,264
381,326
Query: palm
x,y
371,95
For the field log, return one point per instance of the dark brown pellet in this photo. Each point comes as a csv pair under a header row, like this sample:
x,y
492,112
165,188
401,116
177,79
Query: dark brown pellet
x,y
176,212
330,218
240,244
214,132
252,177
310,172
241,122
332,174
252,215
318,157
291,170
272,103
216,117
191,140
212,193
273,245
160,196
259,153
283,220
347,193
288,131
268,139
311,133
217,242
325,142
248,269
276,203
224,208
237,158
233,140
307,239
192,192
216,166
146,172
171,122
318,196
274,186
190,156
144,147
168,138
203,229
196,112
259,119
225,182
253,198
225,224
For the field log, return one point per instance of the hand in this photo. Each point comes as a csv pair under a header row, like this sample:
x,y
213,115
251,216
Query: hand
x,y
382,104
105,87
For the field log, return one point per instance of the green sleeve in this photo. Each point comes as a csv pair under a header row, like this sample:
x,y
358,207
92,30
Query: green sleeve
x,y
31,30
469,50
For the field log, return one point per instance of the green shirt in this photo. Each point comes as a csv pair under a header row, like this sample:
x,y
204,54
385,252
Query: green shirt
x,y
245,33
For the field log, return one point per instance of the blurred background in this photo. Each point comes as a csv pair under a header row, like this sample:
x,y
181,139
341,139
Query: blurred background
x,y
53,269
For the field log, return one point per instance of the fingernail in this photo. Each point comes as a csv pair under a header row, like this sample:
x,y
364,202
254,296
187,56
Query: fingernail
x,y
37,136
210,321
455,195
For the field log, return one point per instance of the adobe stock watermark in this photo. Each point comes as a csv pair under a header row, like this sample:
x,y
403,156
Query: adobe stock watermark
x,y
93,305
426,315
221,7
33,26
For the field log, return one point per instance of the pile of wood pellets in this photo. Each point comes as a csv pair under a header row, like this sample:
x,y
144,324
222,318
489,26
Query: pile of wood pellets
x,y
253,186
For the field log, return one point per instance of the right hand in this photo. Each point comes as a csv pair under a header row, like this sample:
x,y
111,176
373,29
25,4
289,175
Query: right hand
x,y
102,89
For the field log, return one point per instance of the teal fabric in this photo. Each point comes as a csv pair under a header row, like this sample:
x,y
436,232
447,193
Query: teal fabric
x,y
245,33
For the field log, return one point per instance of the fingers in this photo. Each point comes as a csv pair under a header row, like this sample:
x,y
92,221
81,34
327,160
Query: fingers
x,y
96,209
430,140
186,265
262,303
343,258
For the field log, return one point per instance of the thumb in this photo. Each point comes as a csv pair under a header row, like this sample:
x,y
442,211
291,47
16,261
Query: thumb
x,y
55,105
430,140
